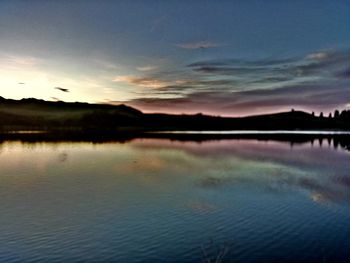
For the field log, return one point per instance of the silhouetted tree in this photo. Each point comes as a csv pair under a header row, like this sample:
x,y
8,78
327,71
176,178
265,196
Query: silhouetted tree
x,y
330,115
336,114
321,114
313,114
345,114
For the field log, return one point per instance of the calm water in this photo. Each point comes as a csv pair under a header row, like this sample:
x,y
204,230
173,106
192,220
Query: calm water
x,y
161,201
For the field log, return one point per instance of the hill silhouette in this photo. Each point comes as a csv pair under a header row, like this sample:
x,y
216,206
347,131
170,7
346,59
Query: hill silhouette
x,y
34,114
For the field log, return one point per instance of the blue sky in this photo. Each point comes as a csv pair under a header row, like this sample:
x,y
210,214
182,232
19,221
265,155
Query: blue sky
x,y
218,57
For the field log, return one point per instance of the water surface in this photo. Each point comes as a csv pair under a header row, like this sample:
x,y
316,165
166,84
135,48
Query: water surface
x,y
156,200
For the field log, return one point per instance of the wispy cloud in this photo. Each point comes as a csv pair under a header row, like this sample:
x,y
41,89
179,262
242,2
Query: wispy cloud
x,y
321,55
147,68
199,45
316,81
104,63
16,62
249,102
317,66
146,82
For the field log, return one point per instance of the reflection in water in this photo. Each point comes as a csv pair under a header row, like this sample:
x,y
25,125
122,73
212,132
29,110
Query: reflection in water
x,y
272,166
157,200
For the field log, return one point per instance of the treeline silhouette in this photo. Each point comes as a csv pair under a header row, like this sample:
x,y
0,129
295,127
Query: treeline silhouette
x,y
337,141
33,114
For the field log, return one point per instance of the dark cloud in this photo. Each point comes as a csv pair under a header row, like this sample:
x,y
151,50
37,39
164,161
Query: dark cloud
x,y
272,79
318,81
62,89
198,85
227,103
313,64
241,75
242,62
229,70
345,73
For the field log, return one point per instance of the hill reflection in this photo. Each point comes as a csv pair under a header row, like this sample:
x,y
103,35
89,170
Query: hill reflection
x,y
140,195
336,140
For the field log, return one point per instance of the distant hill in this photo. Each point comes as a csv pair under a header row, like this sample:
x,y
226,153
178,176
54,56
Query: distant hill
x,y
34,114
47,115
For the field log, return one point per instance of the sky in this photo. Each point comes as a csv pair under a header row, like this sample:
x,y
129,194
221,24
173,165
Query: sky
x,y
227,58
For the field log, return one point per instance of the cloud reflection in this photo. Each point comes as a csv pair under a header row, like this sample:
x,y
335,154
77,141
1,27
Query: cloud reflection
x,y
269,166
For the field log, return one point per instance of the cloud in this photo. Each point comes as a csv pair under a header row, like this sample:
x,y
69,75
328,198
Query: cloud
x,y
315,67
317,81
16,62
62,89
345,73
319,55
226,103
147,68
243,62
199,45
146,82
256,67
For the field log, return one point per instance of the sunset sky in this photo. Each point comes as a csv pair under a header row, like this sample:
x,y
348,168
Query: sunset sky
x,y
225,58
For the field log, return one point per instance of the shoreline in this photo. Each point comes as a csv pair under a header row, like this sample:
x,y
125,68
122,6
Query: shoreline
x,y
341,138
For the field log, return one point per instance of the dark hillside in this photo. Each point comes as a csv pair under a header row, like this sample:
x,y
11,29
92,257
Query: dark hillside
x,y
33,114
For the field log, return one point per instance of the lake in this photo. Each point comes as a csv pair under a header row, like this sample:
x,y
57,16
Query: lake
x,y
160,200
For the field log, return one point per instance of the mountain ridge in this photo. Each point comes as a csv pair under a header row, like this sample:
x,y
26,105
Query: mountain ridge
x,y
31,113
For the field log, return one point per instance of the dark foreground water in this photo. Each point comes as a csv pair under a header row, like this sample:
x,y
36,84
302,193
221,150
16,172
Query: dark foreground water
x,y
154,200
